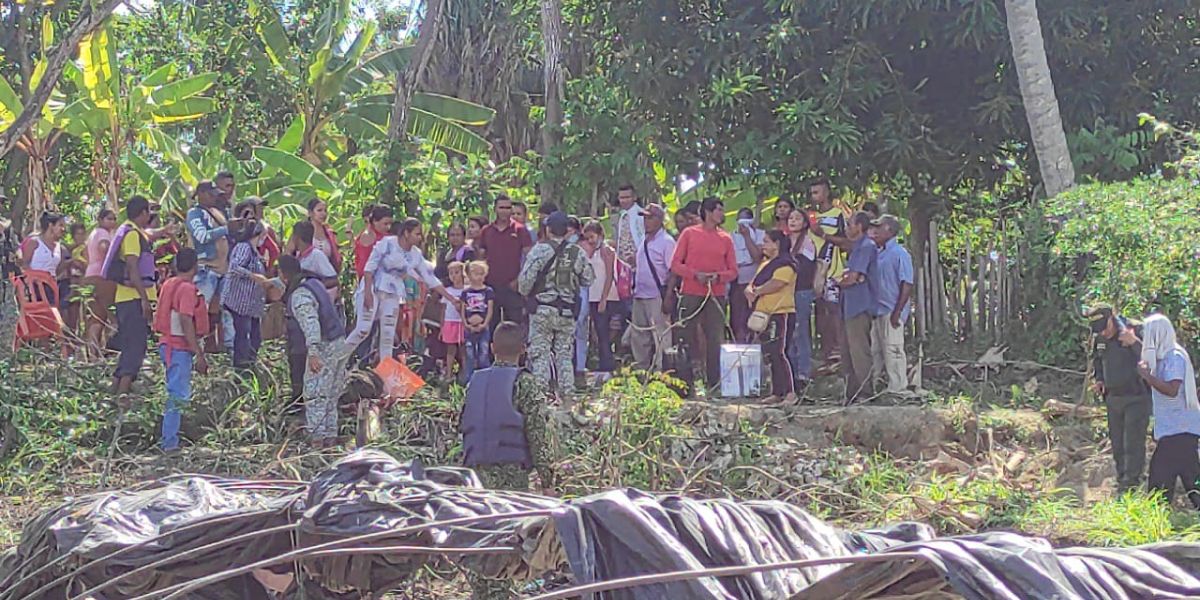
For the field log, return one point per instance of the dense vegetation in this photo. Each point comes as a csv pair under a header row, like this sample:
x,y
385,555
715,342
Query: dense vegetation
x,y
913,104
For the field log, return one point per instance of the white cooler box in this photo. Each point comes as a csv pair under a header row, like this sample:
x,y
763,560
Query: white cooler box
x,y
741,370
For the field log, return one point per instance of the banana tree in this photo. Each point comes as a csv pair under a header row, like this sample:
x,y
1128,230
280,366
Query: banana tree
x,y
39,140
170,168
117,111
335,106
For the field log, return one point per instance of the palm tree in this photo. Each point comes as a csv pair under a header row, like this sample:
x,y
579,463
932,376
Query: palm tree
x,y
1037,94
553,79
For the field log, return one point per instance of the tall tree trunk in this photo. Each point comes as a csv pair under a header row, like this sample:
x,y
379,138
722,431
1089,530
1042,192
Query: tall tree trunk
x,y
553,78
406,84
90,17
1037,94
37,171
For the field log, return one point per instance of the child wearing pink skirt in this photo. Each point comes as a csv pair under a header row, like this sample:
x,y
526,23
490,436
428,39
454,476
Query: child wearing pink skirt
x,y
453,332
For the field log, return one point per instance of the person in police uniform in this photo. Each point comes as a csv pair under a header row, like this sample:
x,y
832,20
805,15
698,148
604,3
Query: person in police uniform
x,y
1126,395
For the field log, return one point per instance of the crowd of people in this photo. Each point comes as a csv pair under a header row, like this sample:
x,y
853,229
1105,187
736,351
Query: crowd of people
x,y
626,291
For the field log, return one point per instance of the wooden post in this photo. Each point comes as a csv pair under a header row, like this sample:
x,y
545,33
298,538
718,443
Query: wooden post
x,y
982,292
937,283
968,296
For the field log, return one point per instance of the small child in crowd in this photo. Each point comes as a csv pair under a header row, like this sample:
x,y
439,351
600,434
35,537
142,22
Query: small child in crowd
x,y
452,325
181,322
479,300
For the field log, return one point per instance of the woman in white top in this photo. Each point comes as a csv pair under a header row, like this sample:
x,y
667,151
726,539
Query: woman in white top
x,y
603,293
380,292
747,247
95,310
44,251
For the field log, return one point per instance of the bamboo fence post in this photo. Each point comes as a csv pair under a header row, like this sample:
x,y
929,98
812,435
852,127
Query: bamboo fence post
x,y
981,295
937,282
968,295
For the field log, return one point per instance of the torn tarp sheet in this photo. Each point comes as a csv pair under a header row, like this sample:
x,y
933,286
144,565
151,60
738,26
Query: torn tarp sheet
x,y
607,536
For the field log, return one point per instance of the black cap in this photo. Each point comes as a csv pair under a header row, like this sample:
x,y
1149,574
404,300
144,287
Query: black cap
x,y
557,222
1098,317
205,187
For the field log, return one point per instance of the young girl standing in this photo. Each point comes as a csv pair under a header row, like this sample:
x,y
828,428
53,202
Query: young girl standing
x,y
452,323
479,302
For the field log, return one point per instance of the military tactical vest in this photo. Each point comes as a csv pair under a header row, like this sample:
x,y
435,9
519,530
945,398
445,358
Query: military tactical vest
x,y
493,428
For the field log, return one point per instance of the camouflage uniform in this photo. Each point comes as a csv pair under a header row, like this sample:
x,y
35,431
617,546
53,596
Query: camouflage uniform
x,y
529,398
552,325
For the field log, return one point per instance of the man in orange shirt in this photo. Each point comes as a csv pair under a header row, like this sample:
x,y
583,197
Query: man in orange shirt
x,y
705,262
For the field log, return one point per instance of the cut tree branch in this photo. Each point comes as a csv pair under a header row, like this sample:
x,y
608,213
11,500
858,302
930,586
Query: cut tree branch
x,y
90,18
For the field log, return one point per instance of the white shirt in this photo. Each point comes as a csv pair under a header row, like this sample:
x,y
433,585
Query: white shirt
x,y
44,258
747,267
596,290
390,264
637,226
452,315
317,263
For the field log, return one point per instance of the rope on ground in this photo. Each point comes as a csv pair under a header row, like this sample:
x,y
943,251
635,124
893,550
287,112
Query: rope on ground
x,y
628,582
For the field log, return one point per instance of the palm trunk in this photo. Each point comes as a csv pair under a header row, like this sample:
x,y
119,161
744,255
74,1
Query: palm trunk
x,y
1037,94
552,70
406,84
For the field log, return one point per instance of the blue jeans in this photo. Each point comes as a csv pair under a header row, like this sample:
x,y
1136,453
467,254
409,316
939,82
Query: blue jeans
x,y
247,339
208,282
582,333
178,364
479,352
800,351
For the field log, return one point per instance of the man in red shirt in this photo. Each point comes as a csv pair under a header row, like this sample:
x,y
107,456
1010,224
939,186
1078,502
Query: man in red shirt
x,y
503,245
181,321
704,261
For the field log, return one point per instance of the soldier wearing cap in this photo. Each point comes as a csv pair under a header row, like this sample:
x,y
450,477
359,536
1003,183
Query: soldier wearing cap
x,y
1125,394
551,278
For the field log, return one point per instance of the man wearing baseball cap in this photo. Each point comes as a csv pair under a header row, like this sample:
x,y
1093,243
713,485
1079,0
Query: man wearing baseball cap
x,y
1115,374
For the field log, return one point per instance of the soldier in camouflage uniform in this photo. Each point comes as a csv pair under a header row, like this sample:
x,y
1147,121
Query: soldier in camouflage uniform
x,y
491,443
553,274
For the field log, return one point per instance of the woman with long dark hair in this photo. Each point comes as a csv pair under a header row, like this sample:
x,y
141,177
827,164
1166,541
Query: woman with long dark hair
x,y
804,259
773,292
244,293
324,237
784,208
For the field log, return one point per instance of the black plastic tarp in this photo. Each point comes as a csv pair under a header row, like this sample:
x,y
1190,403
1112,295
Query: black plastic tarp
x,y
171,532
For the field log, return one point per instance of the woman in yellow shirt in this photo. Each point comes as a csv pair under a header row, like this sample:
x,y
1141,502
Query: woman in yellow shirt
x,y
773,292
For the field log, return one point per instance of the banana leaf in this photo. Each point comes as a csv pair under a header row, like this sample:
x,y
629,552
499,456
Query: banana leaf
x,y
184,110
177,91
447,134
10,105
453,109
296,168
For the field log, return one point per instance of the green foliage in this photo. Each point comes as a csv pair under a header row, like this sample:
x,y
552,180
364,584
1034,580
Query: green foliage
x,y
1133,519
1133,244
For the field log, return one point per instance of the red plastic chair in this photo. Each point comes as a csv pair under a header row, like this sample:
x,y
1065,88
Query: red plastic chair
x,y
37,302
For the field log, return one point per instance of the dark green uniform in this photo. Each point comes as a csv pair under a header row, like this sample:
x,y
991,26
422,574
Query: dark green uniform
x,y
1128,402
529,398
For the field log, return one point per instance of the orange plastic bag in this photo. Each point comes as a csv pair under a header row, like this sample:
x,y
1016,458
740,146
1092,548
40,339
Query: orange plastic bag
x,y
399,381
